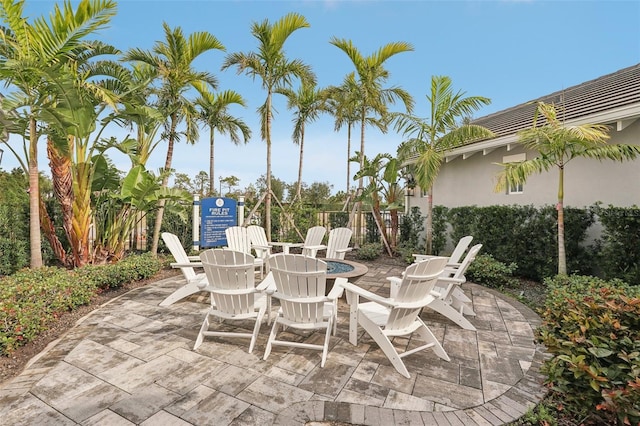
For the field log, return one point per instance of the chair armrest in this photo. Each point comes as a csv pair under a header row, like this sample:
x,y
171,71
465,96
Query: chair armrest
x,y
395,280
187,265
258,246
352,288
344,250
321,247
452,280
268,284
338,288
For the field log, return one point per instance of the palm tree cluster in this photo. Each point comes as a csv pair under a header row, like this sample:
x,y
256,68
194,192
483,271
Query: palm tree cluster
x,y
68,88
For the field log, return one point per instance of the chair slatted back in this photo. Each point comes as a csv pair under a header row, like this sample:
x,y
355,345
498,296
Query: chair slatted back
x,y
417,283
179,254
468,259
238,239
314,237
258,237
460,248
232,279
339,239
302,281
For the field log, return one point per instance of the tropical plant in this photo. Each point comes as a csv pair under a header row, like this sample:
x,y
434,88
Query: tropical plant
x,y
384,191
307,102
173,60
557,144
431,137
38,61
271,65
214,112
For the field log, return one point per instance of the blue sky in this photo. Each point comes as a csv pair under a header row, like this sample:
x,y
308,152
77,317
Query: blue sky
x,y
509,51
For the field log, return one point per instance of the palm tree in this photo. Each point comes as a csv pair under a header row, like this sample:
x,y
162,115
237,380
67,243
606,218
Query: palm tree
x,y
431,137
271,65
34,61
214,113
558,143
370,75
343,105
372,98
308,102
173,61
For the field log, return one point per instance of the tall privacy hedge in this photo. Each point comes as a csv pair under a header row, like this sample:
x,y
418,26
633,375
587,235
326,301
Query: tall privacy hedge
x,y
619,247
526,235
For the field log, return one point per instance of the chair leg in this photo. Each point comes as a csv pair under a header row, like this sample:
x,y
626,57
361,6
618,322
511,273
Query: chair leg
x,y
448,311
181,293
385,344
327,336
272,337
429,337
205,327
256,329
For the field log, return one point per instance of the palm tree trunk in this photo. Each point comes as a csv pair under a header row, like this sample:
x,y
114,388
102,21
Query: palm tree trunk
x,y
562,257
348,158
34,198
165,182
429,221
299,187
211,162
62,180
267,200
359,203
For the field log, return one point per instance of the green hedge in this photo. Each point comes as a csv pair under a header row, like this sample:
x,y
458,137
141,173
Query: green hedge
x,y
527,236
31,299
591,327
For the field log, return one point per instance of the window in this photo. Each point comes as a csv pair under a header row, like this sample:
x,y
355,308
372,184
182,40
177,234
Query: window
x,y
516,158
515,189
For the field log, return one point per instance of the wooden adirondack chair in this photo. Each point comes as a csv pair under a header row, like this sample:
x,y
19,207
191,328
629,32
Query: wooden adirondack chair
x,y
450,300
300,283
238,239
458,251
231,276
195,281
313,241
384,318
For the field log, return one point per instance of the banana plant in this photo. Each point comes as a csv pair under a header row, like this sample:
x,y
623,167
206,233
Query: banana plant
x,y
120,204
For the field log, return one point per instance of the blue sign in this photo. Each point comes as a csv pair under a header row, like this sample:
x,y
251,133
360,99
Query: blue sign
x,y
217,214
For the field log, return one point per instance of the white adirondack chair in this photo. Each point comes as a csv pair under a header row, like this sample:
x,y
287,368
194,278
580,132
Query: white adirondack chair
x,y
234,296
338,243
259,243
300,283
458,251
450,300
384,318
313,241
238,240
195,281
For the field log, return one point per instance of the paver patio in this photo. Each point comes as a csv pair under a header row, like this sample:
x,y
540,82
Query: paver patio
x,y
131,362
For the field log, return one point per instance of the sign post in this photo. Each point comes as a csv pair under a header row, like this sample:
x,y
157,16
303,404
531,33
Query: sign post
x,y
217,215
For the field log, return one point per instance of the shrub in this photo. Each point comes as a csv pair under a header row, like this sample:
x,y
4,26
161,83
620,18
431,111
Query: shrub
x,y
592,329
369,251
490,272
31,299
619,248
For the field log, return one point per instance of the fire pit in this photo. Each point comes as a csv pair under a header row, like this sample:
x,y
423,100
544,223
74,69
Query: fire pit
x,y
338,268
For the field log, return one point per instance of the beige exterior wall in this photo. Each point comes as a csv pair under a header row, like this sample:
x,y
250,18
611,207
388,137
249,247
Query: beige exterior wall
x,y
471,181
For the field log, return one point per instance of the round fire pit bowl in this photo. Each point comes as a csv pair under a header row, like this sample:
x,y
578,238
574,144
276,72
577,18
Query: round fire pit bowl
x,y
338,268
